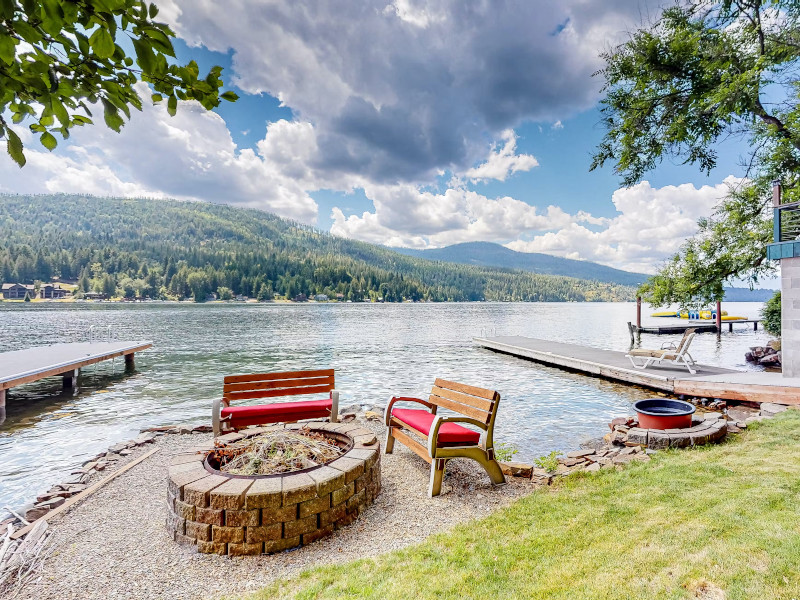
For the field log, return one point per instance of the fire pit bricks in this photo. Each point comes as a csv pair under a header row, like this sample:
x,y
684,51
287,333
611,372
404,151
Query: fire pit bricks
x,y
243,515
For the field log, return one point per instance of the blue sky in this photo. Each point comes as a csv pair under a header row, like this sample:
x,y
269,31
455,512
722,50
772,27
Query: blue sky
x,y
405,123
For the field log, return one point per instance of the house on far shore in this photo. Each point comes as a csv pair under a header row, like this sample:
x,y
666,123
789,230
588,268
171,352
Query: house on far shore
x,y
52,292
321,298
17,291
95,296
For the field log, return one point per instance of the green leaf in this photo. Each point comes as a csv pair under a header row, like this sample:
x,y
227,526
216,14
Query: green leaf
x,y
172,106
153,11
102,43
14,147
229,96
60,111
8,46
156,98
48,141
144,55
111,116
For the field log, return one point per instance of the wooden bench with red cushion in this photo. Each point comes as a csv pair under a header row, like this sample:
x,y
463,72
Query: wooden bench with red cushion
x,y
320,383
444,436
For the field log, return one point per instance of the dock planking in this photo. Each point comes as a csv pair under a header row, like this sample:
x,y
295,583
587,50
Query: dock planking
x,y
708,382
24,366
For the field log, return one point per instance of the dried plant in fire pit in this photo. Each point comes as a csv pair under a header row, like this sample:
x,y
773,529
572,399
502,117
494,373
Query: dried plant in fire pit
x,y
275,452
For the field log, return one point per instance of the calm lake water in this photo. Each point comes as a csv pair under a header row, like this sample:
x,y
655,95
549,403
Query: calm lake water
x,y
377,350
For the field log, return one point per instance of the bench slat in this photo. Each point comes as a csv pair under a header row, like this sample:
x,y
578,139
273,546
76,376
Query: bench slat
x,y
273,376
463,409
466,389
320,389
479,403
277,384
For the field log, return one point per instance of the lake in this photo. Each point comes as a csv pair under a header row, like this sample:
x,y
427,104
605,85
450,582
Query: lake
x,y
377,350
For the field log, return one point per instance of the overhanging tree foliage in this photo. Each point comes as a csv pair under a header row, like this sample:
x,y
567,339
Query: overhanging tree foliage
x,y
709,71
58,57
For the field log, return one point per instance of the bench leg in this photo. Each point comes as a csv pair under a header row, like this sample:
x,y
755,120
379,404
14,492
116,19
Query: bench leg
x,y
437,474
389,445
494,471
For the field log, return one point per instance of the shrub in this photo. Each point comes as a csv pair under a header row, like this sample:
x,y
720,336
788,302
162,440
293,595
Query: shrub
x,y
771,315
505,451
548,462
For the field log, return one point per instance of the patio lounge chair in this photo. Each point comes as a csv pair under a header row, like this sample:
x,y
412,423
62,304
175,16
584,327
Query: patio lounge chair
x,y
669,352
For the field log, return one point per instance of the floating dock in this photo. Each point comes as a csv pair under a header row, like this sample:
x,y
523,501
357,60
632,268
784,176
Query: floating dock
x,y
24,366
708,382
703,326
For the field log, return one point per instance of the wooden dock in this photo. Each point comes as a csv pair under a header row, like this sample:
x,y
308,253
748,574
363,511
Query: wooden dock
x,y
702,326
65,360
708,382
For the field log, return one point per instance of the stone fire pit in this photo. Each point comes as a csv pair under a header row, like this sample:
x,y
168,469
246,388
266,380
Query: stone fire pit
x,y
237,514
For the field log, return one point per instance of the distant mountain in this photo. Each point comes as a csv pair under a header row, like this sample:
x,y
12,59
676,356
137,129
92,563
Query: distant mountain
x,y
486,254
748,295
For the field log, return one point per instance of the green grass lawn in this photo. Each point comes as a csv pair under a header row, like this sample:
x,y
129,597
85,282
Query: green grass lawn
x,y
715,522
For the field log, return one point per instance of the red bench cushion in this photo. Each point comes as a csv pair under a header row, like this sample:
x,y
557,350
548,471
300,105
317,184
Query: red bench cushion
x,y
259,414
449,433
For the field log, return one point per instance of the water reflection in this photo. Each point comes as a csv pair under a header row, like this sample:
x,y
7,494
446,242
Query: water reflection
x,y
377,351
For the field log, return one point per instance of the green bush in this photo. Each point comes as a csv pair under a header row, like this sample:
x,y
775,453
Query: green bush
x,y
548,462
505,451
771,315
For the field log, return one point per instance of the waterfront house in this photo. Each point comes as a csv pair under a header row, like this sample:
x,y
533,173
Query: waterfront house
x,y
52,292
17,291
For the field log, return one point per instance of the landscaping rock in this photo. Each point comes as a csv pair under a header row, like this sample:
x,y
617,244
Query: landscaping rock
x,y
371,415
741,413
768,409
617,421
347,417
581,453
593,468
517,469
37,512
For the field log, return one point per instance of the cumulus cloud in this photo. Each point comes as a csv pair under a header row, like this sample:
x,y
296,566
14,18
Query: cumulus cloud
x,y
189,156
412,217
400,90
651,225
503,162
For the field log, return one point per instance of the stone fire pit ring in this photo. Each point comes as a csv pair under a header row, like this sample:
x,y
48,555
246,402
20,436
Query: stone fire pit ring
x,y
221,513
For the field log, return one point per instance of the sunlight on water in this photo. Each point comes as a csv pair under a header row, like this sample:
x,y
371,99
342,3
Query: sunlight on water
x,y
377,351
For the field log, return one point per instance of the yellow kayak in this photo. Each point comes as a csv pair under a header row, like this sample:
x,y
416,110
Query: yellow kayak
x,y
728,318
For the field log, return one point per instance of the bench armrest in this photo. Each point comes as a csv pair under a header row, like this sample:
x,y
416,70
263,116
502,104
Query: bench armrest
x,y
439,420
387,415
334,406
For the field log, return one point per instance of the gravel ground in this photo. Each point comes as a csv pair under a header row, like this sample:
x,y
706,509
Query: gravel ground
x,y
115,545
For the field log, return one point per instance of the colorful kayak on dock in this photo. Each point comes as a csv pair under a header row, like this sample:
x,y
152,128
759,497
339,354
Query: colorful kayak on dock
x,y
706,315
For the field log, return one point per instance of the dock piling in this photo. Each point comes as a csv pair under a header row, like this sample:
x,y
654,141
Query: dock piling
x,y
130,361
71,379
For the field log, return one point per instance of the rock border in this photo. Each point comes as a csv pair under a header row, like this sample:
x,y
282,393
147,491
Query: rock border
x,y
246,516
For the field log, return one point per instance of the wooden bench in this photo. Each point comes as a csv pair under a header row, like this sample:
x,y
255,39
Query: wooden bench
x,y
445,437
228,418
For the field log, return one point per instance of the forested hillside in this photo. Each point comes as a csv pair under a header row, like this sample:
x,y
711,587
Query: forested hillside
x,y
168,249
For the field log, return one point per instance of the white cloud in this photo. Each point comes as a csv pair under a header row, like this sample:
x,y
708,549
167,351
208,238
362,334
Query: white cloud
x,y
412,217
189,156
398,91
557,125
503,162
651,226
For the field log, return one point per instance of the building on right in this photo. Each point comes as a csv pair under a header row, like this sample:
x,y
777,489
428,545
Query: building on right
x,y
786,249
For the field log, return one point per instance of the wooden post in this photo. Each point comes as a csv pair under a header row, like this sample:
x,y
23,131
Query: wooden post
x,y
638,312
719,316
129,361
2,398
71,378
